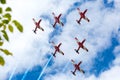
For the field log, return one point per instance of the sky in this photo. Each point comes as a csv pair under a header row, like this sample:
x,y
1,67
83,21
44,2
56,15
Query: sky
x,y
32,53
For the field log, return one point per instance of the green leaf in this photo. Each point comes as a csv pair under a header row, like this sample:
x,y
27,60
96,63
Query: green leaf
x,y
10,27
5,21
4,27
6,52
5,35
8,16
1,10
18,25
8,9
1,43
1,24
0,38
2,62
3,1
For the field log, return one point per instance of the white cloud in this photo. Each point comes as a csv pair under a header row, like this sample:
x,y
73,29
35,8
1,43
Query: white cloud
x,y
117,61
97,33
110,1
117,55
117,3
29,49
112,73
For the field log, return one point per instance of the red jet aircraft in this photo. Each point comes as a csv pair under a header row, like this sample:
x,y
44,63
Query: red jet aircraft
x,y
82,15
77,67
57,20
80,45
57,49
37,25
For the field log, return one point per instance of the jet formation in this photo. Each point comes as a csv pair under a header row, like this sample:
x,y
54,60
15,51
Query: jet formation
x,y
37,24
57,47
77,67
80,45
57,20
82,16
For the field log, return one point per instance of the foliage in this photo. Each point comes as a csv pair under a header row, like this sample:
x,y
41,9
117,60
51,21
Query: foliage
x,y
6,23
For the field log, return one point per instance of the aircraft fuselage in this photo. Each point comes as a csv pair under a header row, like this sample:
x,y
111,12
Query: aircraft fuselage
x,y
77,67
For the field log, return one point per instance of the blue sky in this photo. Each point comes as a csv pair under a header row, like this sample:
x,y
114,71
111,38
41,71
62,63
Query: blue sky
x,y
101,33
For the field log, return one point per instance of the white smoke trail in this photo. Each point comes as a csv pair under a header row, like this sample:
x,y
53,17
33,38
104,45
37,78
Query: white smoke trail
x,y
66,66
44,68
11,76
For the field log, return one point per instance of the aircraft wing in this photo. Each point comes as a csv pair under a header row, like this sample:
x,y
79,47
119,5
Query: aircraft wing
x,y
85,11
59,16
59,45
53,44
83,41
72,61
77,39
34,20
54,53
79,62
78,9
79,48
54,24
39,21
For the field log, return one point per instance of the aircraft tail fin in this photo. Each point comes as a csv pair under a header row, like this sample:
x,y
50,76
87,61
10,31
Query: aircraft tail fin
x,y
76,51
62,24
62,53
41,28
73,73
82,71
53,25
86,49
34,31
78,21
54,55
88,20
